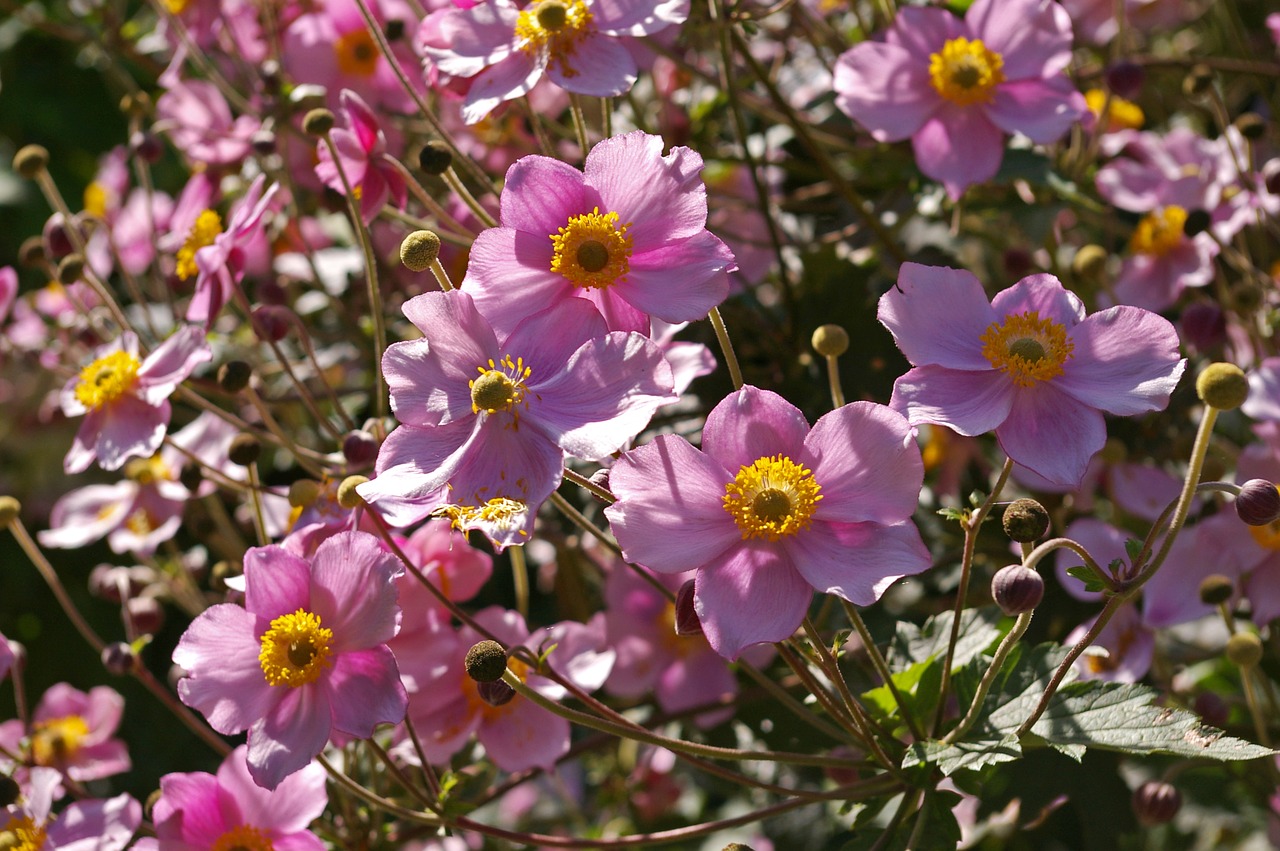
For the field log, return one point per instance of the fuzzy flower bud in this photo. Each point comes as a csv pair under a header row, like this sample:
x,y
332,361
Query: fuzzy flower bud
x,y
233,376
1244,649
347,496
1156,802
244,449
1017,589
70,268
318,122
1198,80
9,790
359,448
435,158
830,341
1216,588
1197,222
1089,262
119,658
1222,386
496,693
1251,125
419,250
31,160
1258,503
303,493
1025,520
486,661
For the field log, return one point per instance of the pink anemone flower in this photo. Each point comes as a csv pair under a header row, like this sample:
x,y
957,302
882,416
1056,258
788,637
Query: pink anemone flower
x,y
74,732
771,510
956,87
628,233
1028,365
125,398
362,151
306,658
210,812
88,825
218,255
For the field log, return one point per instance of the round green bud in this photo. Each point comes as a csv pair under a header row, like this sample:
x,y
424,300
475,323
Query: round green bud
x,y
303,493
318,122
1089,262
1025,520
1222,386
419,250
486,661
244,449
830,341
1244,649
1216,588
10,508
70,269
31,160
348,497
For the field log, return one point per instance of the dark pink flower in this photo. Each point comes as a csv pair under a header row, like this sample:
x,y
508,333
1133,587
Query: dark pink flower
x,y
218,254
362,151
89,825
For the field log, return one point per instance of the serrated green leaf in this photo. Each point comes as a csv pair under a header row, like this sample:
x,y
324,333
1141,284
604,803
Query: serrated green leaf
x,y
960,515
936,828
1090,576
979,628
881,698
1132,548
971,755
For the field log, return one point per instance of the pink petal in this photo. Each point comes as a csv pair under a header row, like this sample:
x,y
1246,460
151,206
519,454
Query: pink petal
x,y
1052,433
1033,37
638,17
87,514
292,734
540,195
548,339
1125,362
524,735
680,282
865,459
430,388
857,561
971,403
1042,110
188,807
1042,294
510,78
752,424
938,316
508,270
958,146
886,89
661,198
364,691
354,592
220,650
291,807
129,428
753,594
922,31
277,582
171,363
599,66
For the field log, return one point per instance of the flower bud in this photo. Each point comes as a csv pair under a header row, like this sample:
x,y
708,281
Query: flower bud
x,y
1156,802
1244,649
1198,80
145,615
687,622
318,122
147,146
1025,520
263,143
1017,589
1223,386
118,658
191,476
486,661
31,252
1204,325
435,158
234,376
419,250
393,29
271,322
244,450
359,448
10,508
303,493
1126,79
496,693
348,497
70,268
30,161
830,341
1089,262
736,846
600,478
221,572
1197,222
1251,125
1216,588
1258,503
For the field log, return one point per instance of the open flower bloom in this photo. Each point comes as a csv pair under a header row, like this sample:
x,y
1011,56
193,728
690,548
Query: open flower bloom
x,y
629,234
956,87
206,812
305,658
125,398
1029,365
505,49
217,255
74,732
89,825
361,147
770,511
487,418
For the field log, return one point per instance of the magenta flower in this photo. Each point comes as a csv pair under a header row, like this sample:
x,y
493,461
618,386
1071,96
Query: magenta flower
x,y
206,812
74,732
505,49
1029,365
628,234
486,419
89,825
362,151
218,254
956,87
306,657
770,510
125,399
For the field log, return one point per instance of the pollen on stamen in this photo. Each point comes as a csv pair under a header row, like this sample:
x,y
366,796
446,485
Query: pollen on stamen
x,y
207,228
1159,231
554,27
966,71
772,498
295,650
500,387
107,379
592,250
1029,349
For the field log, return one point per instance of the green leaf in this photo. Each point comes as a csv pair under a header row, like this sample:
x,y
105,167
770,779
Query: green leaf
x,y
979,628
1092,577
918,686
960,515
1132,548
936,828
971,755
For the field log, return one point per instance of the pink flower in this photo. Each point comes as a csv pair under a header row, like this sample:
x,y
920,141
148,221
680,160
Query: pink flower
x,y
1122,651
487,418
957,87
770,511
73,732
505,49
206,812
1095,20
629,234
362,151
1029,365
200,123
125,399
304,659
90,825
8,290
219,254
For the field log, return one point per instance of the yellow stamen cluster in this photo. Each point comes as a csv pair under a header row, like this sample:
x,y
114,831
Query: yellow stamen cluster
x,y
499,512
207,228
1159,232
57,740
591,250
243,838
553,28
1028,348
1121,114
500,387
295,650
21,834
772,498
107,379
140,522
147,471
1267,536
95,199
966,72
357,53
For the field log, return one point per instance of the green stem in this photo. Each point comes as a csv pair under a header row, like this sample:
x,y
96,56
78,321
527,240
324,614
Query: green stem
x,y
726,346
520,577
989,678
882,668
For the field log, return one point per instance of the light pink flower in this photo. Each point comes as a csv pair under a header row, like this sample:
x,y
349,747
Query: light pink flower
x,y
219,253
1029,365
74,732
306,658
504,49
629,234
956,87
1122,651
89,825
207,812
362,151
1095,21
200,123
770,511
125,399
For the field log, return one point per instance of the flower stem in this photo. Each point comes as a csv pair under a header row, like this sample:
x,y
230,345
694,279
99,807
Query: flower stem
x,y
520,577
726,346
882,667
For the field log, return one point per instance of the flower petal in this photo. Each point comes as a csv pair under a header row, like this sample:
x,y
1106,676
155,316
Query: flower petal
x,y
364,691
886,89
220,652
1052,433
277,582
1033,37
971,403
660,198
752,424
600,67
292,734
541,194
679,282
958,146
865,459
938,316
858,561
1042,294
752,595
1125,362
1042,110
354,591
291,807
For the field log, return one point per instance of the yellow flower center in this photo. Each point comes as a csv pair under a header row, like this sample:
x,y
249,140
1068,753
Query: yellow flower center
x,y
1028,348
1159,232
141,522
56,741
500,387
207,228
147,471
295,649
21,834
592,250
500,512
966,72
772,498
177,7
1121,114
1267,536
556,27
95,199
357,53
243,838
107,379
